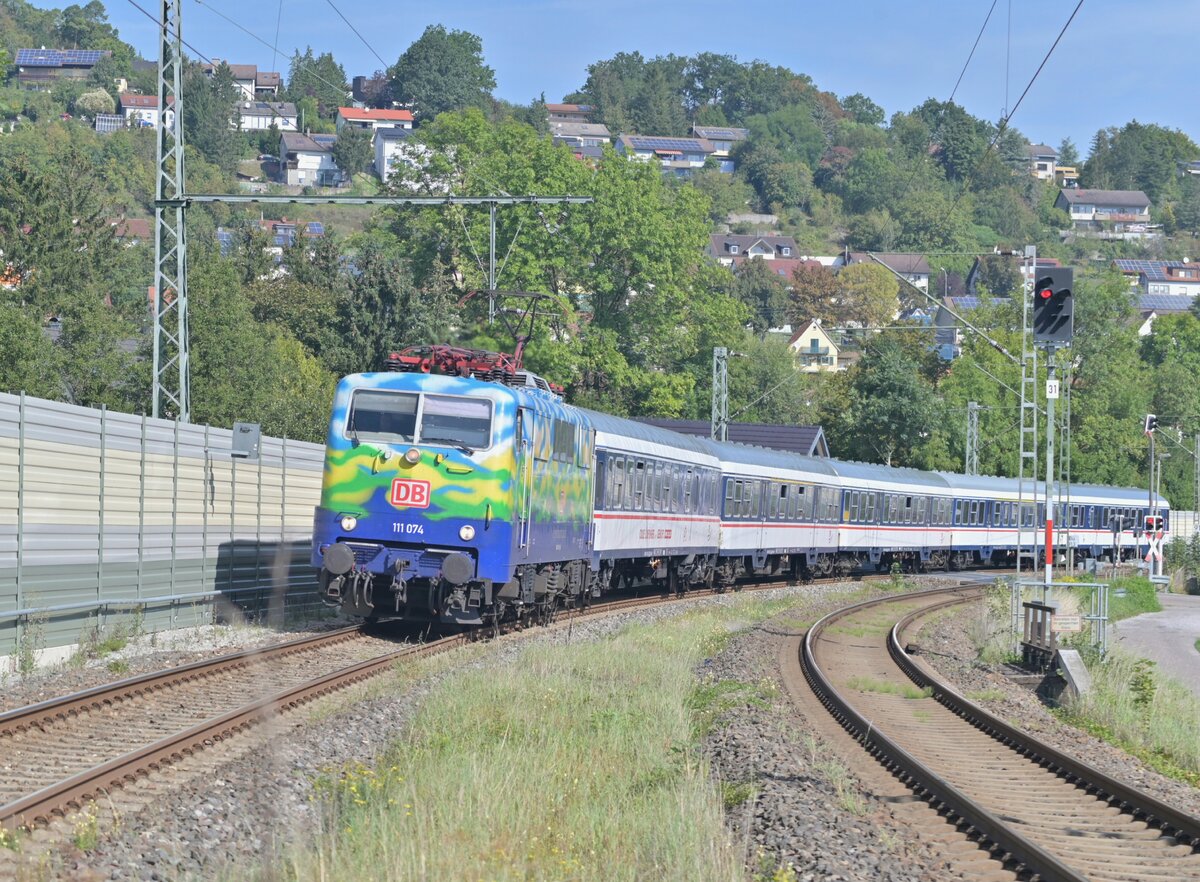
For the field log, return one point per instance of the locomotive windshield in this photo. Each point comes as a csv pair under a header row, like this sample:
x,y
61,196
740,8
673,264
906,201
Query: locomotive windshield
x,y
411,418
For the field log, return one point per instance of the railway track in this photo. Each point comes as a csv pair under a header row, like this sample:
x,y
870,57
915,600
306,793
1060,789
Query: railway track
x,y
57,755
1038,812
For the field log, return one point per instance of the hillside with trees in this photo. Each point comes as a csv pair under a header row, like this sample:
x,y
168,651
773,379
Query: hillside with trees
x,y
635,304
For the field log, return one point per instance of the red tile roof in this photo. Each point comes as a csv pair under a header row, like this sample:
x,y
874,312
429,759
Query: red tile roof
x,y
372,114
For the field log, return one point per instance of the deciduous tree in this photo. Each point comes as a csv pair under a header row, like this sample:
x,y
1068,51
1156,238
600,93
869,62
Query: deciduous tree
x,y
443,70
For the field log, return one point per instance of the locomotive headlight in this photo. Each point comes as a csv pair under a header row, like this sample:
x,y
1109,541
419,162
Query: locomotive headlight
x,y
466,532
412,456
349,522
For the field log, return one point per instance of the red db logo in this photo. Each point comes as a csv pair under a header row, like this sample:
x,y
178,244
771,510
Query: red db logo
x,y
414,494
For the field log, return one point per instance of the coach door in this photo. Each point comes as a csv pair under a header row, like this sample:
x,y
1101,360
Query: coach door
x,y
524,476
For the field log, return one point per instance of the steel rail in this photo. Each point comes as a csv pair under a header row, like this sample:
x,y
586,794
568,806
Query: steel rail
x,y
1128,799
73,792
106,695
1010,845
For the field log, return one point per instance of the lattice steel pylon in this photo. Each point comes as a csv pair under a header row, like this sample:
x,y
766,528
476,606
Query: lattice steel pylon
x,y
720,394
172,373
1027,463
971,466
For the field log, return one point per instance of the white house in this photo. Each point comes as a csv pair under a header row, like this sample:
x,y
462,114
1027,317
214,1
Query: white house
x,y
373,120
258,116
1106,211
730,249
140,110
308,161
678,155
1043,161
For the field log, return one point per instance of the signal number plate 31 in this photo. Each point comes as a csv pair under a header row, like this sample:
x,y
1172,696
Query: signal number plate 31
x,y
411,494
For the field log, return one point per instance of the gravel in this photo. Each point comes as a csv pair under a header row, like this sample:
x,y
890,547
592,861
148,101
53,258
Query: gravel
x,y
947,647
216,814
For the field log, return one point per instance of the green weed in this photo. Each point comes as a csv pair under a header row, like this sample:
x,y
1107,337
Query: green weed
x,y
887,687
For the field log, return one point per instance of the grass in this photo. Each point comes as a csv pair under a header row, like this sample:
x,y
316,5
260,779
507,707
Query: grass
x,y
1140,597
551,766
1132,705
1197,645
886,687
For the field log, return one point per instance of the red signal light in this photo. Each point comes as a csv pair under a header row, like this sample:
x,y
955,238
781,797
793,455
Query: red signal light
x,y
1045,293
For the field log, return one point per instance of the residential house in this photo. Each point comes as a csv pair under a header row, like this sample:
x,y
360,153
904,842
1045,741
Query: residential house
x,y
730,249
1170,278
912,267
723,139
1161,277
786,267
139,110
576,135
1042,161
283,233
373,120
1151,306
814,348
258,116
394,149
804,440
267,85
307,161
1108,212
1066,176
245,76
572,113
132,230
678,155
42,68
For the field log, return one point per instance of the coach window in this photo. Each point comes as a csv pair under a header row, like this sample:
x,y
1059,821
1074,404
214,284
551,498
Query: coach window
x,y
893,511
616,476
603,491
922,508
639,484
850,515
733,496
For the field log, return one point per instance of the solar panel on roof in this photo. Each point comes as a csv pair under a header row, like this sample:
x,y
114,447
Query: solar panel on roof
x,y
316,228
656,143
57,57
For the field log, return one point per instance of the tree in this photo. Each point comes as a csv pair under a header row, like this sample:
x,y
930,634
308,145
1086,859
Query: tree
x,y
96,101
863,109
352,150
868,294
760,287
814,295
443,70
892,409
1068,153
28,360
320,78
206,114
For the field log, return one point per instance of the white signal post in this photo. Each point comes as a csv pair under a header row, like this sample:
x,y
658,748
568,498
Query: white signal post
x,y
1051,386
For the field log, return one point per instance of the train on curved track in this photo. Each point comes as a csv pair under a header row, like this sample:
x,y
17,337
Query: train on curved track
x,y
477,495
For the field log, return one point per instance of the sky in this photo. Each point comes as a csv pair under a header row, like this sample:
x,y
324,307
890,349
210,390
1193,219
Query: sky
x,y
1118,60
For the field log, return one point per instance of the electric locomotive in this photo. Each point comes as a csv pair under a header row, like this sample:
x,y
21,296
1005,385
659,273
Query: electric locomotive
x,y
452,499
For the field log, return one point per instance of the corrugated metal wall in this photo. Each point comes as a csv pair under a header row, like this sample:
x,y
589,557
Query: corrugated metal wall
x,y
105,513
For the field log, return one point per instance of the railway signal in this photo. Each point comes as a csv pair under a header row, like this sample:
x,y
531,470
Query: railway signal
x,y
1151,423
1054,305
